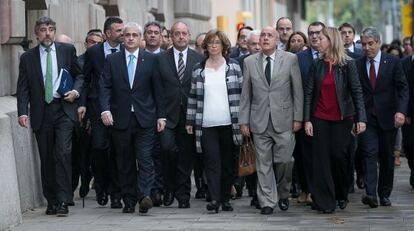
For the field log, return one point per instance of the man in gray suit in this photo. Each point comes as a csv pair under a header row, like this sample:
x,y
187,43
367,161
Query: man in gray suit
x,y
271,108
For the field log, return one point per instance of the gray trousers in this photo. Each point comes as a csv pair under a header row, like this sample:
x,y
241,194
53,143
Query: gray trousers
x,y
274,163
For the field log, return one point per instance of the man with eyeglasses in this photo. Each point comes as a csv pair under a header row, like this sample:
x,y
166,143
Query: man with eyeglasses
x,y
271,108
306,58
284,27
241,46
174,70
52,115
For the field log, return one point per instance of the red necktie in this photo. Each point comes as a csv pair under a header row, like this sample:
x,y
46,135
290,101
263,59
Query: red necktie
x,y
372,75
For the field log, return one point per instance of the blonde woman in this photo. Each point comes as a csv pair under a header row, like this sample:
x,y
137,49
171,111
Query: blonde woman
x,y
333,103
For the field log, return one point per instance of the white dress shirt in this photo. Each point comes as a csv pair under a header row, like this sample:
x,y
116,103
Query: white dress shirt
x,y
177,56
107,48
377,60
55,71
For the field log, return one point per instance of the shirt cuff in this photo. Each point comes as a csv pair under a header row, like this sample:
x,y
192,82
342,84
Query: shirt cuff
x,y
105,112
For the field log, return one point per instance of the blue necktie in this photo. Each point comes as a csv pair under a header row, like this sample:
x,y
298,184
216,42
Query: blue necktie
x,y
131,73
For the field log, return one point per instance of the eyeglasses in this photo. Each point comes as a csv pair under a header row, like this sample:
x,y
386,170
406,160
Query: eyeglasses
x,y
215,42
311,33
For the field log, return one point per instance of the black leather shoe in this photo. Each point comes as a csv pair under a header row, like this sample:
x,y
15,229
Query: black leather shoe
x,y
266,210
168,199
239,190
360,182
128,209
71,203
51,210
370,200
213,206
208,196
145,204
101,198
184,205
328,211
156,199
200,194
254,202
385,201
283,204
62,210
116,203
342,204
226,206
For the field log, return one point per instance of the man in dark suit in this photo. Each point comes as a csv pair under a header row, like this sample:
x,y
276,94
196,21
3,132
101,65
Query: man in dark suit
x,y
305,59
174,69
241,47
103,162
386,96
408,128
348,36
52,115
130,99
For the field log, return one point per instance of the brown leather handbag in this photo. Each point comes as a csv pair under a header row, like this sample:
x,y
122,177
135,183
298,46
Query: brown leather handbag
x,y
247,158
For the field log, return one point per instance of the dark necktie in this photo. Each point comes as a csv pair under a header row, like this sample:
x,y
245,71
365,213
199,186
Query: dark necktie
x,y
113,50
267,69
181,67
372,75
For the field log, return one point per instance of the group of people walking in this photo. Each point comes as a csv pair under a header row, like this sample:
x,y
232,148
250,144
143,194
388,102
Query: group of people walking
x,y
153,110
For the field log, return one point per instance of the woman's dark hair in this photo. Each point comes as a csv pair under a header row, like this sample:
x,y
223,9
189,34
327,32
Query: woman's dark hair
x,y
290,38
225,42
397,48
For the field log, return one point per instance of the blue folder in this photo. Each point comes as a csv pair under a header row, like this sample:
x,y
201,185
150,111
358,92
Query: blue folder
x,y
66,82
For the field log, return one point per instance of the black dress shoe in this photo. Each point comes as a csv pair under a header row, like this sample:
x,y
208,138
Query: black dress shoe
x,y
145,204
71,203
342,204
168,199
385,201
102,198
156,199
226,206
239,190
128,209
254,202
184,205
51,210
116,203
213,206
283,204
370,200
360,182
62,210
266,210
328,211
200,194
208,196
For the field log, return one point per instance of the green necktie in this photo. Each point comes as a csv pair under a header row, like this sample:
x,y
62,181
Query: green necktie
x,y
49,80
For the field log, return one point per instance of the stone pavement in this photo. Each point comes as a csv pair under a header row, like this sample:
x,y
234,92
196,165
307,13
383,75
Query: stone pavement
x,y
400,216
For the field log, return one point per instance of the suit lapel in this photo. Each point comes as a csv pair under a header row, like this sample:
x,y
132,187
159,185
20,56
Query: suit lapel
x,y
124,66
171,61
38,66
382,65
365,77
140,64
59,57
189,64
277,65
259,67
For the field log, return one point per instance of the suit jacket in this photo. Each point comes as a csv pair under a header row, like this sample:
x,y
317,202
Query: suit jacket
x,y
391,91
117,96
282,100
408,66
175,93
241,60
305,59
93,67
30,84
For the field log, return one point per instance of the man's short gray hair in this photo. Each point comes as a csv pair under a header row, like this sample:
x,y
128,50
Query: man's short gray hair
x,y
134,25
371,32
44,20
251,33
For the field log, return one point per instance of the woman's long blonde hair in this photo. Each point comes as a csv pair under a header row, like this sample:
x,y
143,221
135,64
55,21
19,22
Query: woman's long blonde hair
x,y
336,51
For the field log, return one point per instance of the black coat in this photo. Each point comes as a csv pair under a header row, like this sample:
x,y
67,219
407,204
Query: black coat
x,y
347,86
391,91
30,84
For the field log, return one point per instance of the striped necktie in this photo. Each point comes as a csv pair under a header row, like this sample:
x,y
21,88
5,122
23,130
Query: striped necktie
x,y
181,67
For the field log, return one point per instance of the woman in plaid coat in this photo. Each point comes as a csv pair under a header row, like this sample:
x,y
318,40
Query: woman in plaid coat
x,y
212,113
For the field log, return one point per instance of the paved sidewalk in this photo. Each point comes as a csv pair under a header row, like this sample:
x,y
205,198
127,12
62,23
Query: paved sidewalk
x,y
400,216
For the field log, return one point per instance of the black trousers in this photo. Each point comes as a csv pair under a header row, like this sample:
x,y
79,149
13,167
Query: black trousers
x,y
104,165
158,186
134,145
54,140
218,150
377,146
330,162
408,143
304,142
81,159
199,172
178,150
